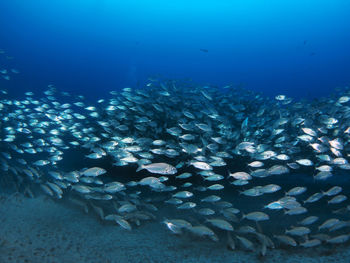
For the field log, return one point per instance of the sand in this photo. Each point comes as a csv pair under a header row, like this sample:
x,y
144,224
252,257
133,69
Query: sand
x,y
43,230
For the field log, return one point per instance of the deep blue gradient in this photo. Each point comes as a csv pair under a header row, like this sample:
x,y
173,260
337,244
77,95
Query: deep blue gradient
x,y
298,48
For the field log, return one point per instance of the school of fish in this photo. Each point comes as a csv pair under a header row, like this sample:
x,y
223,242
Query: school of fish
x,y
227,164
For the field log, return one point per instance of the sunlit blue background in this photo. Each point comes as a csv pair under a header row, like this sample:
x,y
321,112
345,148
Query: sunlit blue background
x,y
299,48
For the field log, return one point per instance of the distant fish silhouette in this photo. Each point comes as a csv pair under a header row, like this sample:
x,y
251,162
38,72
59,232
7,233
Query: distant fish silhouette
x,y
305,42
204,50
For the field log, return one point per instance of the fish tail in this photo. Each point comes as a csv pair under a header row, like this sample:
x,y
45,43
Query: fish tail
x,y
140,168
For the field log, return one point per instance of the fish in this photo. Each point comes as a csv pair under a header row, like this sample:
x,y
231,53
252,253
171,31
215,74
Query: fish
x,y
286,240
158,168
337,199
201,165
220,223
153,182
311,243
183,194
333,191
206,211
94,171
187,205
246,243
256,216
298,190
304,162
177,225
241,176
309,220
203,231
298,231
338,239
184,176
296,211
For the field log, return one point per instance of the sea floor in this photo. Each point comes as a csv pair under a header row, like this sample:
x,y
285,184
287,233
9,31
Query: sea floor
x,y
43,230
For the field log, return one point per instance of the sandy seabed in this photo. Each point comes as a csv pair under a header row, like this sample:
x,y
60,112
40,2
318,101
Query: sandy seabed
x,y
43,230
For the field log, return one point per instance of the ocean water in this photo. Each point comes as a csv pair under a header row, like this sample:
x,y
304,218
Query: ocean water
x,y
292,47
263,81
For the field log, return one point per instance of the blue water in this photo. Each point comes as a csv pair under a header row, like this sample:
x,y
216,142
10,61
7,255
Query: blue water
x,y
298,48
